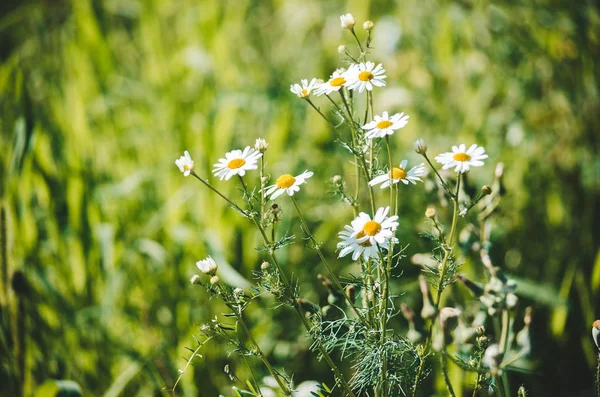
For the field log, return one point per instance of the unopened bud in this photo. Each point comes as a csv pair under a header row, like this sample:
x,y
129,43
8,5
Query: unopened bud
x,y
214,280
527,318
521,392
261,145
347,21
264,180
238,291
207,266
342,49
428,310
511,301
430,212
420,146
485,190
195,279
265,265
596,333
480,329
368,25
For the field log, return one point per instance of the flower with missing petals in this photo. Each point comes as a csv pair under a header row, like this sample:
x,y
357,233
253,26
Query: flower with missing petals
x,y
385,125
400,174
303,91
335,83
287,183
185,163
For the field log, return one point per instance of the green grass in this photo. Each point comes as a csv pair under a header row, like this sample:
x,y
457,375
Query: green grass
x,y
97,100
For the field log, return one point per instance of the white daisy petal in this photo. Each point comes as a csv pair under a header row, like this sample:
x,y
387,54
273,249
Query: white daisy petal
x,y
287,183
236,162
461,159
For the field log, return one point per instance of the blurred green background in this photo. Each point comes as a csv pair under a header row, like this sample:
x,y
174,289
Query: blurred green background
x,y
98,98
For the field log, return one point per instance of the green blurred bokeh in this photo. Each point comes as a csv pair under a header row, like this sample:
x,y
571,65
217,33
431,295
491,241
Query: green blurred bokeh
x,y
98,98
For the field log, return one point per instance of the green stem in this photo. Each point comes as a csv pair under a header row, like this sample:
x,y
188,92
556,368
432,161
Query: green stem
x,y
296,307
321,113
445,373
253,376
259,352
444,184
325,262
358,41
234,205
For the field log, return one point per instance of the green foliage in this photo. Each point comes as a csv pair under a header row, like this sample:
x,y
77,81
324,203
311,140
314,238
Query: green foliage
x,y
98,98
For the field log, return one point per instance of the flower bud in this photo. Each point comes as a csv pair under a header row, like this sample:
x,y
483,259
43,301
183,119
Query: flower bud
x,y
207,266
499,170
261,145
407,312
214,280
342,49
420,146
485,190
195,279
511,300
265,265
347,21
449,318
430,212
368,25
596,333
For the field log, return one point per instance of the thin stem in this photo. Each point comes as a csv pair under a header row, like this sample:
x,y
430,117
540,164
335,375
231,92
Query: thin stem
x,y
262,188
358,41
252,375
325,262
444,184
445,373
296,307
259,352
234,205
321,113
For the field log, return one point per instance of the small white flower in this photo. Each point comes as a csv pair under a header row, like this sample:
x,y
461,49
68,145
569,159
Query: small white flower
x,y
261,145
287,184
237,162
347,21
335,82
185,163
365,75
461,159
368,25
365,236
400,174
384,125
303,91
207,266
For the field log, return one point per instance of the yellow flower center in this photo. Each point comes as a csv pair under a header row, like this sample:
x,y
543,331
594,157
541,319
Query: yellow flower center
x,y
285,181
398,173
371,228
304,92
236,163
365,243
462,157
365,76
338,81
384,124
186,167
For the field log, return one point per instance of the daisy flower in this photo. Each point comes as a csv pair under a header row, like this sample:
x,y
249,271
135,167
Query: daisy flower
x,y
287,184
237,162
366,75
384,125
335,82
461,159
303,91
400,174
347,21
207,266
365,236
185,163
